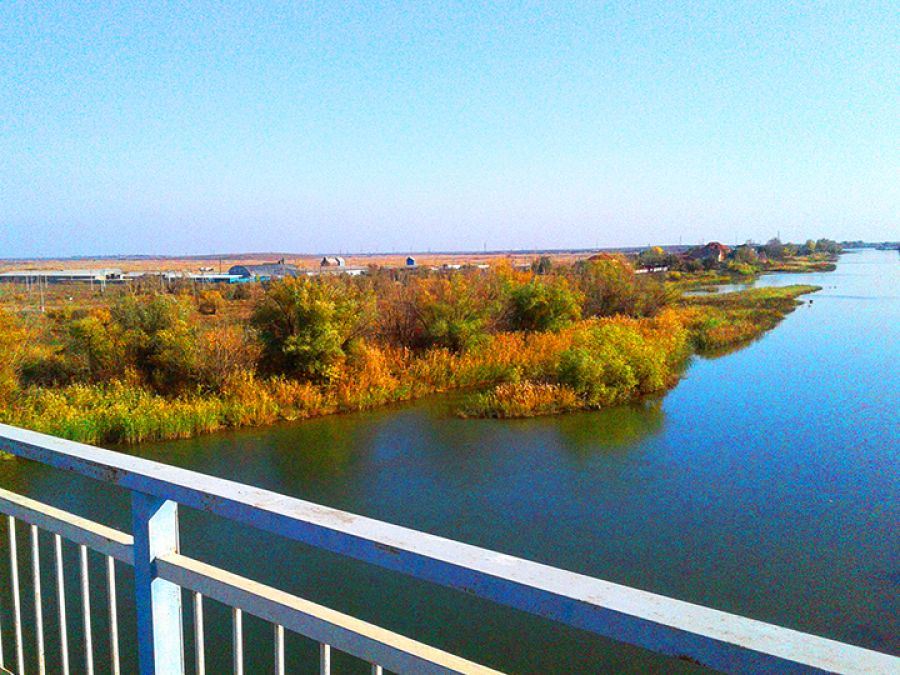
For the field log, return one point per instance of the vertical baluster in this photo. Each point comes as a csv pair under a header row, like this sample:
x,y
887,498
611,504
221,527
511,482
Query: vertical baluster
x,y
199,648
279,650
86,610
324,659
238,638
38,604
17,604
157,602
61,604
377,670
113,614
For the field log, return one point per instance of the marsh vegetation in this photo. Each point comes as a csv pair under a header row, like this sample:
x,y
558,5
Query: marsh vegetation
x,y
139,364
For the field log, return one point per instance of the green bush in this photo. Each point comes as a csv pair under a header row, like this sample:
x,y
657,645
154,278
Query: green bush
x,y
742,269
454,317
305,326
546,304
158,339
48,370
614,364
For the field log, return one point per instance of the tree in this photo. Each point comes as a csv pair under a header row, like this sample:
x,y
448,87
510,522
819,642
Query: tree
x,y
654,256
305,325
225,352
158,339
609,287
96,346
397,318
774,249
828,246
746,254
542,265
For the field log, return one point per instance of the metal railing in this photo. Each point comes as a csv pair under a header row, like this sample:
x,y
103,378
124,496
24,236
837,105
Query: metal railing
x,y
661,624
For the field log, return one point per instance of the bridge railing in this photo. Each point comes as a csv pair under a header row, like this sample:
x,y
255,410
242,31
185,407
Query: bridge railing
x,y
665,625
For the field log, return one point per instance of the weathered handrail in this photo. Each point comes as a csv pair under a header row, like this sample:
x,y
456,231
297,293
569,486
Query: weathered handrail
x,y
343,632
711,637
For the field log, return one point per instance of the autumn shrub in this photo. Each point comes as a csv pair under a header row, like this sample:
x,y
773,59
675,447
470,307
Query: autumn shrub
x,y
239,291
722,321
456,311
611,287
95,347
210,303
47,367
12,338
224,351
397,317
741,268
592,364
614,364
608,286
148,367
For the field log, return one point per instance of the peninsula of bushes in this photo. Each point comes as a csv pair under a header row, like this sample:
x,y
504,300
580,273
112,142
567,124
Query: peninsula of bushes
x,y
141,364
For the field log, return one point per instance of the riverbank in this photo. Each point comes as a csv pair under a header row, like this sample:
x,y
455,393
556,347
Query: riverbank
x,y
589,364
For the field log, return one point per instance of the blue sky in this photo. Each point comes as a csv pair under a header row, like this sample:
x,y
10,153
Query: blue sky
x,y
376,126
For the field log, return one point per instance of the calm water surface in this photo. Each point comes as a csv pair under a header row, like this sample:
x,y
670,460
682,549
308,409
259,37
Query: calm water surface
x,y
765,484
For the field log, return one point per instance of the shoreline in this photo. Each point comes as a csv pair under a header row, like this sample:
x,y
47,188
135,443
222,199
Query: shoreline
x,y
517,369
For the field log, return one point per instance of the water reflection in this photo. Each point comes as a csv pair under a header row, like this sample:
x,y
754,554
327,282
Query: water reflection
x,y
613,429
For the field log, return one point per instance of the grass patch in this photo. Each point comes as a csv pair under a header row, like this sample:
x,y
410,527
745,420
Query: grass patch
x,y
724,321
521,399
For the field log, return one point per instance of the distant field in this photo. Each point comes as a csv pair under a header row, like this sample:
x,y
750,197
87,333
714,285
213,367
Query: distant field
x,y
19,298
194,263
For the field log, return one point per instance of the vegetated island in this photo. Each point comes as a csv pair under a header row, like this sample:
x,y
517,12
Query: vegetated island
x,y
137,363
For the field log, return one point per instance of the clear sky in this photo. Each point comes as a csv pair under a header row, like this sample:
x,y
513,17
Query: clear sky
x,y
378,126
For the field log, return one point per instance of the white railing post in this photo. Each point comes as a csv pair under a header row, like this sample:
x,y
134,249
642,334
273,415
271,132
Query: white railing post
x,y
157,602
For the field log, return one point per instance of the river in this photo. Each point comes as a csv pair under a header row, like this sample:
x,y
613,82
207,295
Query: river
x,y
767,483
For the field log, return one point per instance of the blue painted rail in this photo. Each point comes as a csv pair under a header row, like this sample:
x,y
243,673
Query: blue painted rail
x,y
717,639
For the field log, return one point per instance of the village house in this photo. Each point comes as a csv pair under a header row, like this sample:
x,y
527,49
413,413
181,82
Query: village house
x,y
711,251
